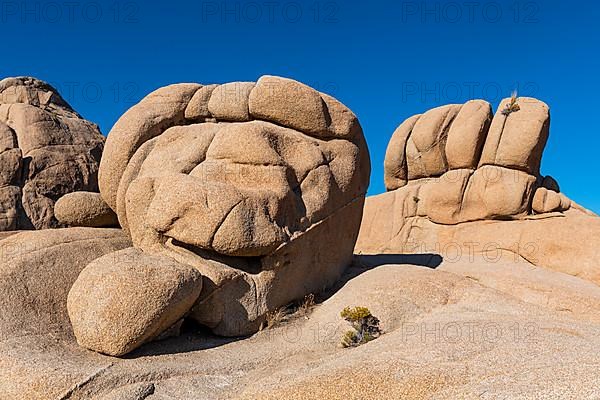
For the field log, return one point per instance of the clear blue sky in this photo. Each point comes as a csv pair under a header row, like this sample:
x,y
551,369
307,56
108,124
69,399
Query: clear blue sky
x,y
386,60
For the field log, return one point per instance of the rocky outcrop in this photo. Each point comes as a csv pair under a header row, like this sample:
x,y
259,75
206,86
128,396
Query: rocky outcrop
x,y
46,151
460,163
236,181
462,182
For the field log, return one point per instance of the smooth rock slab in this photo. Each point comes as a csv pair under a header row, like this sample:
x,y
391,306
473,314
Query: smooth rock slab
x,y
37,269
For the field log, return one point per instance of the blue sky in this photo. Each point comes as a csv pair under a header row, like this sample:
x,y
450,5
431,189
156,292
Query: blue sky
x,y
386,60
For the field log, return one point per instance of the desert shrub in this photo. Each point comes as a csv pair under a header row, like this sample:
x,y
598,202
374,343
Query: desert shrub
x,y
513,105
365,326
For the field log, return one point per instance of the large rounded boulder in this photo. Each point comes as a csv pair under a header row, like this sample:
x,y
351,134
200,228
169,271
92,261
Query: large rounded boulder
x,y
259,186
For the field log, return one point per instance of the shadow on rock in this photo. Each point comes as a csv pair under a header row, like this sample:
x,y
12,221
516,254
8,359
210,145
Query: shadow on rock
x,y
364,263
193,337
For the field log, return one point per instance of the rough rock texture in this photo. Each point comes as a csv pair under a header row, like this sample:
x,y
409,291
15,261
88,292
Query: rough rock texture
x,y
127,298
466,329
46,151
556,241
484,178
461,164
84,209
236,181
37,270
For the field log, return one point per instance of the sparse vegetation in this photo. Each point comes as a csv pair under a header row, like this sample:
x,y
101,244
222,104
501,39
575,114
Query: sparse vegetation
x,y
513,105
416,199
365,326
275,317
307,304
294,310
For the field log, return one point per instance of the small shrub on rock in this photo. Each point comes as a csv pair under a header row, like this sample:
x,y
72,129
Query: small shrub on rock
x,y
513,106
365,326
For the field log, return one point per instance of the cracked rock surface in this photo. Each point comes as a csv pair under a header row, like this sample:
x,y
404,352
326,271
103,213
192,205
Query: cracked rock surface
x,y
46,151
257,186
461,180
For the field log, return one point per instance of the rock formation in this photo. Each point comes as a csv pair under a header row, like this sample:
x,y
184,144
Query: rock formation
x,y
46,151
236,199
453,330
462,181
234,181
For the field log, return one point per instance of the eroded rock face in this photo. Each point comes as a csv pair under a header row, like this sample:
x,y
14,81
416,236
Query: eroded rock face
x,y
259,186
461,163
451,332
46,151
462,181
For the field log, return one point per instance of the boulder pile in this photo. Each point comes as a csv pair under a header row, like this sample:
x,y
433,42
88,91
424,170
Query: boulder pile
x,y
46,151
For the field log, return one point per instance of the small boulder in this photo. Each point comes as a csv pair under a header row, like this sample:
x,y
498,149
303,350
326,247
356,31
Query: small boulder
x,y
84,209
128,298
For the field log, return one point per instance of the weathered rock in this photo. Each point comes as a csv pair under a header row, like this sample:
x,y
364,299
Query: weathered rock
x,y
84,209
37,270
126,298
425,147
452,329
545,201
156,112
289,103
396,170
555,241
138,391
239,292
197,109
455,332
467,135
462,212
46,151
236,181
10,207
230,101
457,165
517,139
